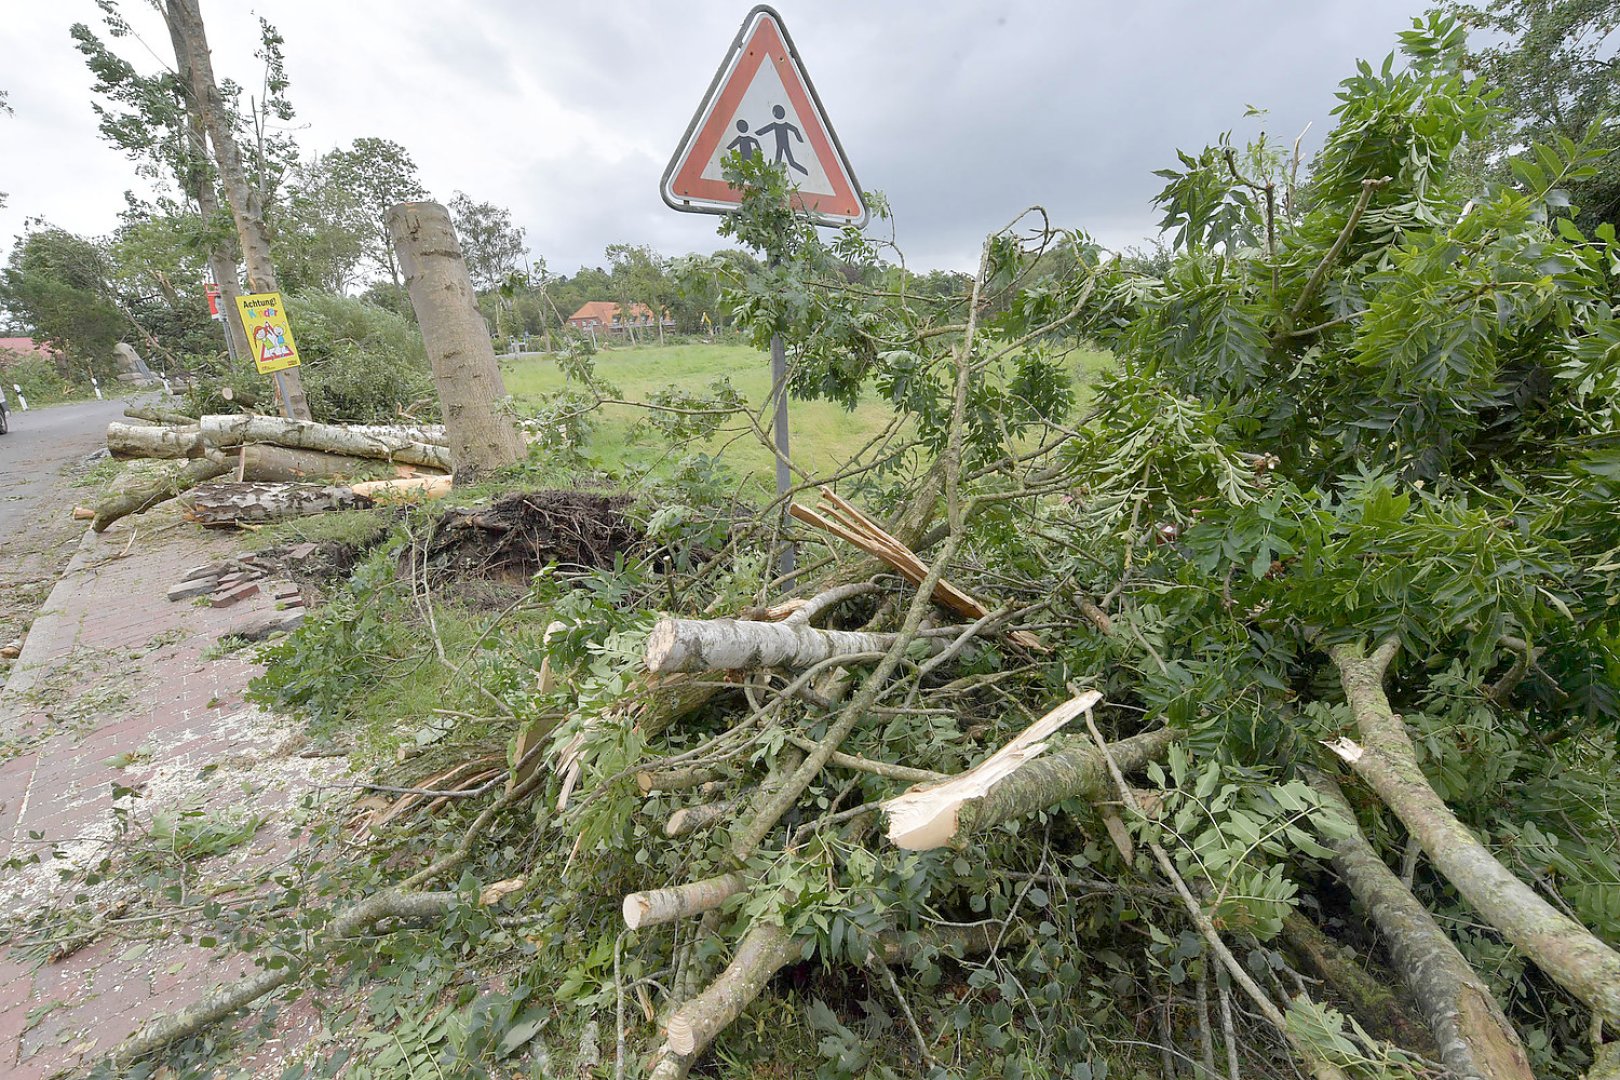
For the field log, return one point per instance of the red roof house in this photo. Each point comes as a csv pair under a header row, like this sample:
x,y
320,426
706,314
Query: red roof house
x,y
19,347
604,314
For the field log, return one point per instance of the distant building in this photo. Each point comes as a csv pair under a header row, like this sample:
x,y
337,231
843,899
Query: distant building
x,y
606,315
20,347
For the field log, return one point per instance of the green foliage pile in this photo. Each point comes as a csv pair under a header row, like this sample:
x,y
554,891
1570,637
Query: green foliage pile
x,y
1375,407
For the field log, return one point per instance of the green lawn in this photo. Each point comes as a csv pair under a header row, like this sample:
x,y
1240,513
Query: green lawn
x,y
823,435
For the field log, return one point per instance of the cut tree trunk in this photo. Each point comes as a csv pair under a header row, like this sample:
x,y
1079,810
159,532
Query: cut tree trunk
x,y
230,503
227,431
458,344
142,441
764,950
1474,1037
659,906
1566,951
269,463
159,416
433,434
171,482
951,812
687,645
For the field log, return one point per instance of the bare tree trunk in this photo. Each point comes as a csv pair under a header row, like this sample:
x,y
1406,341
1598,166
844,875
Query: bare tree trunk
x,y
464,369
199,184
186,28
162,488
143,441
1566,951
1474,1037
266,462
734,645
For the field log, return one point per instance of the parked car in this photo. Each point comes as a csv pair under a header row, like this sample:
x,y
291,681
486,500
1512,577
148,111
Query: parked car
x,y
5,416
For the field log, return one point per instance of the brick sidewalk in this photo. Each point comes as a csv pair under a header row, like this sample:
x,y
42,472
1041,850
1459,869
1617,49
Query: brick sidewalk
x,y
113,689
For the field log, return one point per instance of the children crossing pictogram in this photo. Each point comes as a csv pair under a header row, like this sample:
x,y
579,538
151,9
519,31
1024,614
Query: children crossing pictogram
x,y
761,102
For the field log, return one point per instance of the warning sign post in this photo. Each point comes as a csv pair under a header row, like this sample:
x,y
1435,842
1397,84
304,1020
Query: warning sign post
x,y
264,321
762,103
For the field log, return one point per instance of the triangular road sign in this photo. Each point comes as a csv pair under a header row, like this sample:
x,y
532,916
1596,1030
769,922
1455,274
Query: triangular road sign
x,y
762,102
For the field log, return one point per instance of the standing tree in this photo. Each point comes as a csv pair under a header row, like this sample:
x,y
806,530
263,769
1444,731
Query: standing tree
x,y
246,199
458,345
491,244
377,174
640,277
56,283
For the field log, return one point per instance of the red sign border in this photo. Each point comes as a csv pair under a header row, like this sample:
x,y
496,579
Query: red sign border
x,y
762,34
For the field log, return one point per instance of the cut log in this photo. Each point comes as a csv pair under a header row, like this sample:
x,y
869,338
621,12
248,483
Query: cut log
x,y
159,416
1569,953
764,950
953,811
689,819
926,817
269,463
1473,1035
687,645
432,434
676,779
227,431
412,489
658,906
83,513
171,481
230,503
142,441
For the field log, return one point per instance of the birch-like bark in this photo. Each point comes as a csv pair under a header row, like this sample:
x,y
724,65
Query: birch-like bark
x,y
658,906
232,503
144,441
687,645
226,431
1566,951
1469,1027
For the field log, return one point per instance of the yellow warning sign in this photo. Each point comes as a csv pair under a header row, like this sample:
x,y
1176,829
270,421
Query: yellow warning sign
x,y
264,319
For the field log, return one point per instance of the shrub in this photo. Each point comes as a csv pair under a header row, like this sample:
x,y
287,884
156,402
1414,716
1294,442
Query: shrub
x,y
41,383
361,364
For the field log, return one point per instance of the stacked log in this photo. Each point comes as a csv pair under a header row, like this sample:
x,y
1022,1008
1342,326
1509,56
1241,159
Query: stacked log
x,y
278,465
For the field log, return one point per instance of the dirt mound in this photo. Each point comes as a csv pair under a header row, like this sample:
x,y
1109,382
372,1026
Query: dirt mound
x,y
513,538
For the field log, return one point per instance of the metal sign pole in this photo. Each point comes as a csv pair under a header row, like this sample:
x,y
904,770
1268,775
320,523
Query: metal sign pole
x,y
785,558
281,393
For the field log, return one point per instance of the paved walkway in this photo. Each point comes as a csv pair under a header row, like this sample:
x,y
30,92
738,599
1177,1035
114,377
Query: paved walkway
x,y
113,692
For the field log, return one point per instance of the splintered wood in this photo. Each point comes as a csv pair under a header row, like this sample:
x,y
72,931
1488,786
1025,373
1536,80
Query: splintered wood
x,y
926,817
843,520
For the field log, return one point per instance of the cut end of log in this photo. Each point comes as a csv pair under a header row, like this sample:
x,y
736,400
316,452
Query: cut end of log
x,y
644,781
1346,749
83,513
635,910
661,645
679,1035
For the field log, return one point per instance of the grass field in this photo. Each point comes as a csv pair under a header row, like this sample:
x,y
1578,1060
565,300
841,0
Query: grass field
x,y
823,434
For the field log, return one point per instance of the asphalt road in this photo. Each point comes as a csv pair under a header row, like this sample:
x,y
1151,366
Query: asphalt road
x,y
42,443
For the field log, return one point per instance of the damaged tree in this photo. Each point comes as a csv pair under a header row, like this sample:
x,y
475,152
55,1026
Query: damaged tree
x,y
1278,477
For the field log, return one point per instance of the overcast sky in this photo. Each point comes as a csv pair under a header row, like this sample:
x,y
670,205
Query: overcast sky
x,y
962,113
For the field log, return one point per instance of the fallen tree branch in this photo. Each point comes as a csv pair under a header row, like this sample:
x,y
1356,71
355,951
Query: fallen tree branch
x,y
160,489
1471,1032
1566,951
689,645
658,906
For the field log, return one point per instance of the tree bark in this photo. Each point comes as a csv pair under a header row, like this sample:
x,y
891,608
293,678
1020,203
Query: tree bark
x,y
161,489
659,906
226,431
764,950
687,645
1074,770
199,184
186,27
1474,1037
159,416
269,463
143,441
231,503
458,344
1566,951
